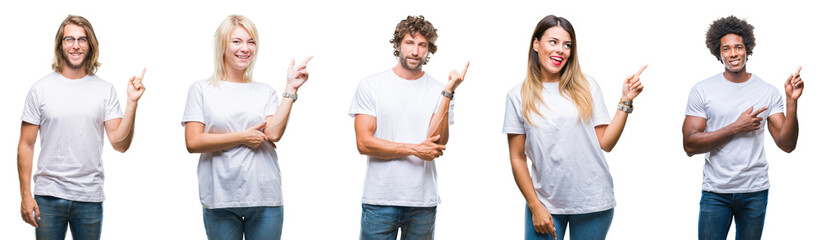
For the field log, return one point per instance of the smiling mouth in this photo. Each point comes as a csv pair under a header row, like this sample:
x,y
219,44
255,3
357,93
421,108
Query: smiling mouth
x,y
556,60
243,57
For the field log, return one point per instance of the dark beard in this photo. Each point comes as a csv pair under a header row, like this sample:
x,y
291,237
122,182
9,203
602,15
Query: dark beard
x,y
72,66
404,63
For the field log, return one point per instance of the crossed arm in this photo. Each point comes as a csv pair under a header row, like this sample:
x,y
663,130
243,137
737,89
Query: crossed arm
x,y
271,130
783,128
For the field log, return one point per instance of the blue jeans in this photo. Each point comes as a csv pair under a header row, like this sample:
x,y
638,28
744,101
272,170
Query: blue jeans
x,y
585,226
57,214
382,222
254,222
716,210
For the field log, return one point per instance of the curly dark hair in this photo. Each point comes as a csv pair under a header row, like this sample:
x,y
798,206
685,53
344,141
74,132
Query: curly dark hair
x,y
415,25
729,25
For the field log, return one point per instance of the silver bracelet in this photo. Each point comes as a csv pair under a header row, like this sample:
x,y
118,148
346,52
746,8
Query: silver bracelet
x,y
289,95
448,94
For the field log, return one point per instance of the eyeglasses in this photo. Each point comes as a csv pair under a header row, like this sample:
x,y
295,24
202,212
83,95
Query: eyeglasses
x,y
83,41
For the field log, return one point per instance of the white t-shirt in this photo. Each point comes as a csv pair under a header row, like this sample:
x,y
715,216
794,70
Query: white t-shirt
x,y
738,166
71,114
403,109
568,170
238,176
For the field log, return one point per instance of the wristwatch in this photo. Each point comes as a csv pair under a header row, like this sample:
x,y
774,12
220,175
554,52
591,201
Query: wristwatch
x,y
289,95
626,107
448,94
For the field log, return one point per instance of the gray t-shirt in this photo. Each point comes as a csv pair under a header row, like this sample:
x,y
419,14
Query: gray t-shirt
x,y
568,170
238,176
738,166
71,114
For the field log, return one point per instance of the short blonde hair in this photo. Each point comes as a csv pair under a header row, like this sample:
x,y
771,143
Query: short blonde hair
x,y
221,38
91,63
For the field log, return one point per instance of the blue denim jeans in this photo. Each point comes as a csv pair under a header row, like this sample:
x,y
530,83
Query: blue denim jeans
x,y
382,222
593,226
57,214
716,210
254,222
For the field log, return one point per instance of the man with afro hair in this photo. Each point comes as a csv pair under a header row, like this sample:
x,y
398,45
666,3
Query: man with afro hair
x,y
725,118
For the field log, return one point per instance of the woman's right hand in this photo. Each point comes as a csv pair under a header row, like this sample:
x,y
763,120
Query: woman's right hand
x,y
254,136
543,222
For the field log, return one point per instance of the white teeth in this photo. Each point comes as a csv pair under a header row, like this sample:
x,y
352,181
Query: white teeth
x,y
556,59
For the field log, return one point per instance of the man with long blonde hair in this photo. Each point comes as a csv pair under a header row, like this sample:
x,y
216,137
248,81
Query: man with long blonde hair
x,y
401,118
71,108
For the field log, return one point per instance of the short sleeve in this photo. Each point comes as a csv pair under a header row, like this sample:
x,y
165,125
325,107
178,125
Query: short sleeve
x,y
776,104
113,105
513,122
273,103
696,104
599,113
31,109
194,105
363,102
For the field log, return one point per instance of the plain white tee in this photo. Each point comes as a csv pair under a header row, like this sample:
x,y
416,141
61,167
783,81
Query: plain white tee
x,y
71,114
738,166
568,168
238,176
403,109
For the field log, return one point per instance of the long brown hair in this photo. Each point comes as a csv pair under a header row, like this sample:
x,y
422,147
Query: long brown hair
x,y
572,82
91,63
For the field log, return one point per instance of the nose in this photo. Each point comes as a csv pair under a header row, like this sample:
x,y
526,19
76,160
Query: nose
x,y
415,50
733,53
559,50
244,47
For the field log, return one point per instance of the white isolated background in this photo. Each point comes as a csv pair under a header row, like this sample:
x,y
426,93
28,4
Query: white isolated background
x,y
152,189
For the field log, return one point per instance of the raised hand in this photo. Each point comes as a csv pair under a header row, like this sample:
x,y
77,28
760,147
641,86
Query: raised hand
x,y
297,75
794,85
428,149
455,78
135,88
748,120
254,136
30,211
632,86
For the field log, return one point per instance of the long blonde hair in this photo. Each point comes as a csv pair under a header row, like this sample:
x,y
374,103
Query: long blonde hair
x,y
221,38
90,63
572,82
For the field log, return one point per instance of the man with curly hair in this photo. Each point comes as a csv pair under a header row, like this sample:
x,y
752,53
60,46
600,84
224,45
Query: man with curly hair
x,y
401,119
724,120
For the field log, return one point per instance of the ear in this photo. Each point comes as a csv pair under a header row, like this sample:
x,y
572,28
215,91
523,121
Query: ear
x,y
536,45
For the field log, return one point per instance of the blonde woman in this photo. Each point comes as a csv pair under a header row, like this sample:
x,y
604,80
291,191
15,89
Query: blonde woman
x,y
558,118
232,121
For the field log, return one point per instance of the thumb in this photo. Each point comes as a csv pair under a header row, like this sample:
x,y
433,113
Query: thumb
x,y
259,125
434,138
37,211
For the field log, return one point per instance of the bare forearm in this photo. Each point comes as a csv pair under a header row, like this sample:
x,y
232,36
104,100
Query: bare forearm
x,y
212,142
523,180
383,149
614,131
789,133
25,153
702,142
276,124
439,122
121,140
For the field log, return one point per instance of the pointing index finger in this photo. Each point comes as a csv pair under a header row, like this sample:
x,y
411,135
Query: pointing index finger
x,y
466,68
641,70
760,111
305,62
797,71
143,74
